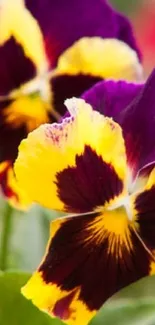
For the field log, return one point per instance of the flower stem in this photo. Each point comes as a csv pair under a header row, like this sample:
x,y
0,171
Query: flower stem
x,y
5,237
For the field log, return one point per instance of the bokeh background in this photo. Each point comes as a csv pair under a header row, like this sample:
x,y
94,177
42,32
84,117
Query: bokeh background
x,y
29,231
142,16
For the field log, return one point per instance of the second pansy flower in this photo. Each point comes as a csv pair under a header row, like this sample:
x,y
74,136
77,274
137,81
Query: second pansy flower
x,y
49,52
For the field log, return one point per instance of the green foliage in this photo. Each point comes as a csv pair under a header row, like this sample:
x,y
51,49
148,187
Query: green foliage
x,y
126,6
129,307
14,308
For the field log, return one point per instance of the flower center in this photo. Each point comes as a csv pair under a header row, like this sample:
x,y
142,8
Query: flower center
x,y
31,104
124,203
116,221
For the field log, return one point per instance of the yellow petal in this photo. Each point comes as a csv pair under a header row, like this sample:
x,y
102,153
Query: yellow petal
x,y
105,58
52,148
17,21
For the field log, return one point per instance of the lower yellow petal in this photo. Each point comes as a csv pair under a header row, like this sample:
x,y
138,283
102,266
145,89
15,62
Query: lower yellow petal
x,y
89,257
45,297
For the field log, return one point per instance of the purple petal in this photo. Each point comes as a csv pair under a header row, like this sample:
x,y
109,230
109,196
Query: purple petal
x,y
126,33
111,97
64,22
138,123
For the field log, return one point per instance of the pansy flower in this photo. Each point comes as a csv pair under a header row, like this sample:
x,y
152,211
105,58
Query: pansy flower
x,y
51,50
102,173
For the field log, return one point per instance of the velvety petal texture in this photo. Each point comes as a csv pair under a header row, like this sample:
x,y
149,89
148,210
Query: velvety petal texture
x,y
108,58
15,69
138,124
96,18
84,265
40,66
90,140
80,166
16,21
132,106
110,97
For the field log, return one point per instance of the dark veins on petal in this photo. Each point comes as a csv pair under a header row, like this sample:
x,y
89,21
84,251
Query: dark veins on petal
x,y
89,184
15,67
75,259
67,86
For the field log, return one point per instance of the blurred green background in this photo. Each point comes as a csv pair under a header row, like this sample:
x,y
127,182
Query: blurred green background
x,y
29,231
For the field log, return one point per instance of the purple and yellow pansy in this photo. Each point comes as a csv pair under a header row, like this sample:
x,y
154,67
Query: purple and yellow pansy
x,y
101,171
49,51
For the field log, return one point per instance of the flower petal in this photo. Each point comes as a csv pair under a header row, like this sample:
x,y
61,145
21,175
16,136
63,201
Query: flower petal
x,y
112,97
144,210
9,140
87,260
108,58
61,156
10,137
138,124
126,33
17,21
66,86
5,180
78,19
15,69
132,106
9,188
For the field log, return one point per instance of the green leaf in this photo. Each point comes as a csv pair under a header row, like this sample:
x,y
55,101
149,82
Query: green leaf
x,y
14,308
127,313
126,6
133,305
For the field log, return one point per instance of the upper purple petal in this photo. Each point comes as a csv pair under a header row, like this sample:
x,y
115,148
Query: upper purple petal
x,y
126,33
111,97
138,123
64,22
133,107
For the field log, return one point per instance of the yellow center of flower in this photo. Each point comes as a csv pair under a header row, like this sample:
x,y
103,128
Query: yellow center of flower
x,y
31,105
109,220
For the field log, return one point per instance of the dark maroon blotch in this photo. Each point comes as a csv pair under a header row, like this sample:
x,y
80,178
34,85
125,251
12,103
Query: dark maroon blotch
x,y
88,185
145,206
73,262
62,306
68,86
